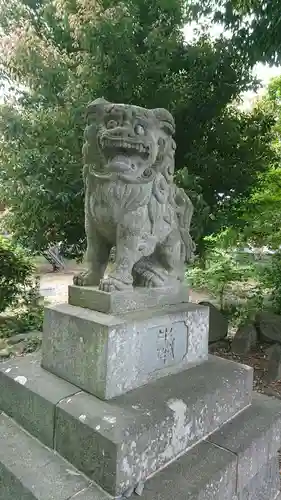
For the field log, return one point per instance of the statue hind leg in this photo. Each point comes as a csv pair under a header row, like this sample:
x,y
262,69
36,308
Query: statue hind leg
x,y
164,267
131,245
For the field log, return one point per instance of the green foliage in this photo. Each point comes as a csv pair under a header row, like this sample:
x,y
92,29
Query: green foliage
x,y
258,215
244,303
65,54
234,285
271,278
16,273
221,271
19,292
255,25
27,316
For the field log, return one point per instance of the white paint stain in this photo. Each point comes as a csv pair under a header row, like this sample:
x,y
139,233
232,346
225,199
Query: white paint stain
x,y
21,379
82,418
72,472
180,430
136,407
126,467
110,419
139,489
97,427
8,370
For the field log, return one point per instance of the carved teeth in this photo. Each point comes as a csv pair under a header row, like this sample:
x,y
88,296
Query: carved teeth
x,y
118,142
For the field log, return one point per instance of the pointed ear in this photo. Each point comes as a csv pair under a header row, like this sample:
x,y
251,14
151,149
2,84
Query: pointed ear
x,y
96,108
166,120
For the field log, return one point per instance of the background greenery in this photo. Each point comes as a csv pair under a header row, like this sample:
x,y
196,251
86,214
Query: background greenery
x,y
57,55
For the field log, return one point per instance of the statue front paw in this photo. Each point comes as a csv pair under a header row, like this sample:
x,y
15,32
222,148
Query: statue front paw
x,y
111,284
86,278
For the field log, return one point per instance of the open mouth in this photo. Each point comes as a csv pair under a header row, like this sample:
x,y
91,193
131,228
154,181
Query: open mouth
x,y
118,146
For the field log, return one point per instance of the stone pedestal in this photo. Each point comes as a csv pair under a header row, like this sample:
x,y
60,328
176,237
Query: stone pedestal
x,y
131,401
110,354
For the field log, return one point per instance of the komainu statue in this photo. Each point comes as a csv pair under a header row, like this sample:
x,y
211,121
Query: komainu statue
x,y
131,201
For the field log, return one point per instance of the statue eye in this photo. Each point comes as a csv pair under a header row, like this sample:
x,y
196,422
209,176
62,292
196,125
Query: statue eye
x,y
139,130
111,124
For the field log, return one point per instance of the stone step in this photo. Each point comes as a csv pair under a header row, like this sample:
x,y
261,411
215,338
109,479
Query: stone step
x,y
209,473
250,442
132,435
31,471
265,485
254,436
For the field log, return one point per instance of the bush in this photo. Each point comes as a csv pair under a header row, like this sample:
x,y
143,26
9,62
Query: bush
x,y
221,272
16,274
271,277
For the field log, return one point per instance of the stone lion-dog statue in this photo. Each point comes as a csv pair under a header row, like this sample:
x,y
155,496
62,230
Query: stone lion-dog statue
x,y
131,201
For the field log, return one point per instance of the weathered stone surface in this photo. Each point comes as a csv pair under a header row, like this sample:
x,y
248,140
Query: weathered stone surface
x,y
131,201
122,442
274,363
245,339
29,394
92,493
127,300
29,471
218,324
254,436
265,485
108,355
206,472
19,337
269,327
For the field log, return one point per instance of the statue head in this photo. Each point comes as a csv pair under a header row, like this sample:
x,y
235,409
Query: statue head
x,y
128,142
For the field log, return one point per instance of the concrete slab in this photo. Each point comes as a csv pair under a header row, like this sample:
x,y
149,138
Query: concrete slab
x,y
125,301
204,473
265,485
43,476
254,436
30,394
92,493
122,442
94,350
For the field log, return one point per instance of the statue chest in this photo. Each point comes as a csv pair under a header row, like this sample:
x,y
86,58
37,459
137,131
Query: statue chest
x,y
109,202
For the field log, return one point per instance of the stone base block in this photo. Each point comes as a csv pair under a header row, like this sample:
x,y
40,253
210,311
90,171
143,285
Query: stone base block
x,y
123,441
30,471
265,485
108,355
30,395
254,436
125,301
206,472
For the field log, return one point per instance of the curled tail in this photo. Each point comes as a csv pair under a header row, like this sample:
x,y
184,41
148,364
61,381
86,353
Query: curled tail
x,y
184,211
